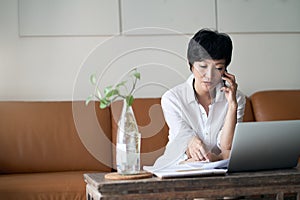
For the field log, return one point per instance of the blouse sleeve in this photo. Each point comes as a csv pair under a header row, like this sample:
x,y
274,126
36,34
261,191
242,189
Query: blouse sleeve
x,y
174,114
180,133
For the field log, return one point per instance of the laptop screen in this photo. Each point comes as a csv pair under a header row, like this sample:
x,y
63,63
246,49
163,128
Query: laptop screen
x,y
265,145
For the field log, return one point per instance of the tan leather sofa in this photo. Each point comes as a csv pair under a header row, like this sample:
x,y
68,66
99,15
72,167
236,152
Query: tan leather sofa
x,y
46,147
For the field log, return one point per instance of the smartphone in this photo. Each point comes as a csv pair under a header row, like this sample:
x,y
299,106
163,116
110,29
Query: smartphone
x,y
224,82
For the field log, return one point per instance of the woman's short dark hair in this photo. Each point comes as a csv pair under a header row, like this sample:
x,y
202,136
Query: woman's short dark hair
x,y
208,44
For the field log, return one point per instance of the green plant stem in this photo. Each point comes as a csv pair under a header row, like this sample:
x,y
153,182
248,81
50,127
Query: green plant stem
x,y
133,87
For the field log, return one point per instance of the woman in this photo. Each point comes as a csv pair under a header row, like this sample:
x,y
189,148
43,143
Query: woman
x,y
202,112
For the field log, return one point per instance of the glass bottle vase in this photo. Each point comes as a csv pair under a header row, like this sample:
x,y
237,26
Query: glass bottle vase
x,y
128,143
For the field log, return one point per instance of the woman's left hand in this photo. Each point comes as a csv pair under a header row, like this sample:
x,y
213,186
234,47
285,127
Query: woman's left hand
x,y
230,90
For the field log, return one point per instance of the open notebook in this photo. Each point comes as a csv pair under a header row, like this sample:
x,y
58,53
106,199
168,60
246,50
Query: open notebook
x,y
256,146
191,169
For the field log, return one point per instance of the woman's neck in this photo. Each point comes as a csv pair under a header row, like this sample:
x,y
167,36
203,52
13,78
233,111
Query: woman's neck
x,y
203,97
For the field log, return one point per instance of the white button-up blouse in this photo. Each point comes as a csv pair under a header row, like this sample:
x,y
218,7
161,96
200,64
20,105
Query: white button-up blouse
x,y
186,118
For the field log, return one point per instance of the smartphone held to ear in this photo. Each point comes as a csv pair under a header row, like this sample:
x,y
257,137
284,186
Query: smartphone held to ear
x,y
224,82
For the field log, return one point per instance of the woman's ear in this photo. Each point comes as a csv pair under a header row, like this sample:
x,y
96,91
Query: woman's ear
x,y
192,69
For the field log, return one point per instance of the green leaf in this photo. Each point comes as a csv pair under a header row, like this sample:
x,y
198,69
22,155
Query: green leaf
x,y
121,84
104,103
137,75
93,79
107,90
112,93
90,98
129,100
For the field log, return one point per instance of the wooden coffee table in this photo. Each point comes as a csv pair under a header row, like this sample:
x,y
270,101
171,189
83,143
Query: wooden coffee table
x,y
273,184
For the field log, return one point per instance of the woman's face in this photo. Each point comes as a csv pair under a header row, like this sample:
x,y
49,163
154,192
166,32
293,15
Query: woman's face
x,y
208,73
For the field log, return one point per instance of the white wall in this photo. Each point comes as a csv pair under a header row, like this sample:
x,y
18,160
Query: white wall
x,y
56,65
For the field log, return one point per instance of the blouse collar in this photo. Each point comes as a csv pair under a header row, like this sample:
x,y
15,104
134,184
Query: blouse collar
x,y
191,93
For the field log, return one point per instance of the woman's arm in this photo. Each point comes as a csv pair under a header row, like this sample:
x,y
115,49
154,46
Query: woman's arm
x,y
241,101
228,128
231,117
180,132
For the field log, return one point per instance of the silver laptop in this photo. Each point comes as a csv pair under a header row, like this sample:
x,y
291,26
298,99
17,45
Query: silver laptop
x,y
265,146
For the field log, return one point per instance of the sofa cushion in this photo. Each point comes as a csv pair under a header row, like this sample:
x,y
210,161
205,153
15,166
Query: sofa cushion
x,y
276,105
54,185
152,126
43,137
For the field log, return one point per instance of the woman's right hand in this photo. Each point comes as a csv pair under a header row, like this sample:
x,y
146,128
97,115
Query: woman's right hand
x,y
196,150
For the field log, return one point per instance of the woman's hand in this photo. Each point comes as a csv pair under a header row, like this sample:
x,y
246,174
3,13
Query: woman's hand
x,y
196,150
230,90
211,158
